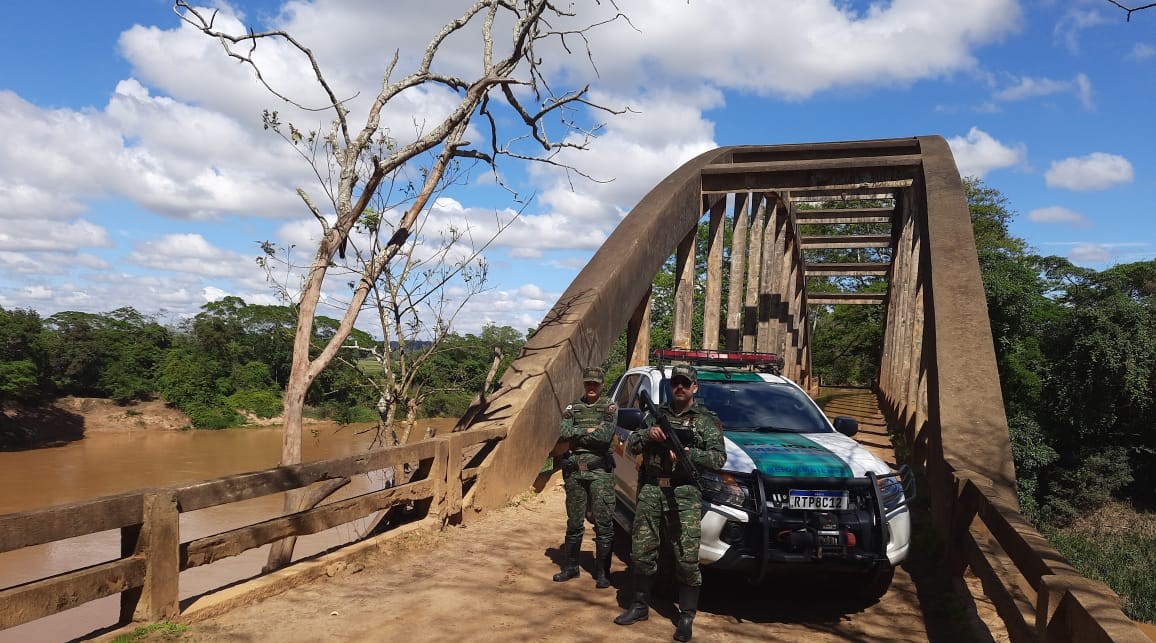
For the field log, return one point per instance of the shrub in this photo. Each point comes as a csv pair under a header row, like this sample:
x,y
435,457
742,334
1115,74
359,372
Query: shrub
x,y
212,416
1123,556
1087,487
263,404
343,414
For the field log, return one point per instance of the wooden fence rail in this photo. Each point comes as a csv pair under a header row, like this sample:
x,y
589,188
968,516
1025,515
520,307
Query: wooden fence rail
x,y
147,574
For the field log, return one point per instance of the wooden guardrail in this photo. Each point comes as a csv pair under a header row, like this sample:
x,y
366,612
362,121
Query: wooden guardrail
x,y
147,574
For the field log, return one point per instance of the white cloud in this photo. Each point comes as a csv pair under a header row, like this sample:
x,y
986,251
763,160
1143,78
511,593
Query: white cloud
x,y
1026,87
1141,51
978,153
24,235
1070,27
191,253
1096,171
1058,214
1090,253
795,49
517,308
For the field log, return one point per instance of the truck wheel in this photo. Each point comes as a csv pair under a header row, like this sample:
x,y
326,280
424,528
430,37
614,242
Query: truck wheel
x,y
877,582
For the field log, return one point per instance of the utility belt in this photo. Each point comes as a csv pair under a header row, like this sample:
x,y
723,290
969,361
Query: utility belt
x,y
570,464
667,482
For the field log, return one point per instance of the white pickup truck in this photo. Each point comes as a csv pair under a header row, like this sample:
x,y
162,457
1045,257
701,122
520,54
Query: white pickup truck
x,y
796,492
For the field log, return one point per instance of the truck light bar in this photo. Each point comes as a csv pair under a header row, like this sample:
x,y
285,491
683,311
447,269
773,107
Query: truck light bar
x,y
719,357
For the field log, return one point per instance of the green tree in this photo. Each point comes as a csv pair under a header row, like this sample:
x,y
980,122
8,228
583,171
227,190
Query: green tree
x,y
135,345
1101,384
76,354
23,358
456,369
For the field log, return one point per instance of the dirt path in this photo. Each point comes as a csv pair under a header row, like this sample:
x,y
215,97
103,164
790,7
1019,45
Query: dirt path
x,y
491,581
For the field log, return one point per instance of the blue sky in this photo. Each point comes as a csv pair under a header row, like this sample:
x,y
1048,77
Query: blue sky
x,y
135,171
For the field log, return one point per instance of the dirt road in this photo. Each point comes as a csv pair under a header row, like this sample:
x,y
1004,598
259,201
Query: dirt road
x,y
491,581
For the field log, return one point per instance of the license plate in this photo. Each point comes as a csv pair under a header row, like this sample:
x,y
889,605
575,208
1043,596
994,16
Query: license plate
x,y
828,539
818,500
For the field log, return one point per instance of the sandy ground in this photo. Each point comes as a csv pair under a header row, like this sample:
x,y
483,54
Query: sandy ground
x,y
491,581
105,416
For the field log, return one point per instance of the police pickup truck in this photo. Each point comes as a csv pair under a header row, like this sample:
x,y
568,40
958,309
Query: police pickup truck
x,y
796,491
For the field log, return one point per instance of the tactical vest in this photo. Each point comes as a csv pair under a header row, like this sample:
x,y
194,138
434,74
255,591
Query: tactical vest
x,y
586,416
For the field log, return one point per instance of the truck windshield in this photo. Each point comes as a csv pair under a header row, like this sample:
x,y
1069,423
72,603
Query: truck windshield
x,y
761,406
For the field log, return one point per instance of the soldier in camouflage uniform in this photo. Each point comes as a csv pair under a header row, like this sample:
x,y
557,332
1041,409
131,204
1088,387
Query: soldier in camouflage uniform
x,y
669,498
587,472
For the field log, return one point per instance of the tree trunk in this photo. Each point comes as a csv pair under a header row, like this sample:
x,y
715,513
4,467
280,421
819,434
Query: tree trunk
x,y
281,553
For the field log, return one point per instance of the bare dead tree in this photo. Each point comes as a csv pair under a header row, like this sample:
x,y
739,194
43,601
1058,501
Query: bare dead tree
x,y
1131,10
357,158
352,150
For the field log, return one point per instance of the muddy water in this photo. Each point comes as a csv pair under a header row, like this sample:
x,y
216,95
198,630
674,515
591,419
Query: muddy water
x,y
109,463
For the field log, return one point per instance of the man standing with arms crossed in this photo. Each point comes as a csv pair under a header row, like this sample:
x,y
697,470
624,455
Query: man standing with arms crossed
x,y
588,425
668,496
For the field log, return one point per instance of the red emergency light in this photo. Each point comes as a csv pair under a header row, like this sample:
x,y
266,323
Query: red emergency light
x,y
728,358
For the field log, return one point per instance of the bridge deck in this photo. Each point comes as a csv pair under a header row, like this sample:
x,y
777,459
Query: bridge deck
x,y
491,581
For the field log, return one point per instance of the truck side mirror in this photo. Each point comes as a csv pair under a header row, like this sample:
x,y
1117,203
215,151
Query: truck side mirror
x,y
630,419
846,425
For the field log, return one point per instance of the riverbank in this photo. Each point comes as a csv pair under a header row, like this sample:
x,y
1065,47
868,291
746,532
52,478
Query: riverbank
x,y
70,419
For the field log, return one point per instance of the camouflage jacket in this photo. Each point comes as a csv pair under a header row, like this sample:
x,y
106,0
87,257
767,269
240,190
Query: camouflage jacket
x,y
706,446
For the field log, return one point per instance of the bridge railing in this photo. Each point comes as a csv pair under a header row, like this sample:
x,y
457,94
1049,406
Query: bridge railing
x,y
940,381
147,573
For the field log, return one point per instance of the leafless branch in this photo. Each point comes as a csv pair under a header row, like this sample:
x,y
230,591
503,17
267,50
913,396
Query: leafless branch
x,y
1131,10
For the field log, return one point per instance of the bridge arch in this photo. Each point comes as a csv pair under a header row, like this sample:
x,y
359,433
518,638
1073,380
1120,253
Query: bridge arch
x,y
938,376
939,367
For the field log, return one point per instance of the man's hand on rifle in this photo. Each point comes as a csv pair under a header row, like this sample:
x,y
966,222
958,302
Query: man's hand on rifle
x,y
657,435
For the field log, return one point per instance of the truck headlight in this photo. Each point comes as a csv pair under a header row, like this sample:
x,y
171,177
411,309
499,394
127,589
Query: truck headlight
x,y
724,488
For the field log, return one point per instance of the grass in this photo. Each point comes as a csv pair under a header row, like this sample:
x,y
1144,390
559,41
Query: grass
x,y
1116,545
370,366
163,631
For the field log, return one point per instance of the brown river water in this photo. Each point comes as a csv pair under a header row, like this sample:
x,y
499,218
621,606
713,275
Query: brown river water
x,y
109,463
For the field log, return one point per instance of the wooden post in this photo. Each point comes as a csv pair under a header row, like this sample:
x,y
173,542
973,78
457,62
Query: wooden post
x,y
157,540
767,304
754,270
447,471
734,333
684,292
638,332
714,258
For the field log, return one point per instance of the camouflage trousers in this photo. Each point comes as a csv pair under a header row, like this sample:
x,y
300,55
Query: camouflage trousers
x,y
678,512
596,490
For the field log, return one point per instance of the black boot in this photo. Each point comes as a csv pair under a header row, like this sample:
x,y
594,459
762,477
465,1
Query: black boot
x,y
569,561
687,608
639,610
602,558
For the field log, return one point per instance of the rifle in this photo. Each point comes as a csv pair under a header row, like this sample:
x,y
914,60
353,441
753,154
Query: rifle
x,y
671,442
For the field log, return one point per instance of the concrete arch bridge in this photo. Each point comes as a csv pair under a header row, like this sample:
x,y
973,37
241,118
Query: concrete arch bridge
x,y
938,381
